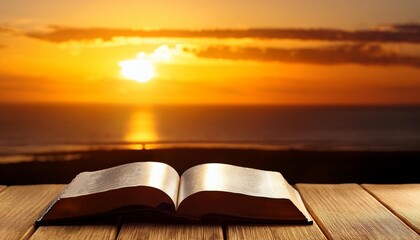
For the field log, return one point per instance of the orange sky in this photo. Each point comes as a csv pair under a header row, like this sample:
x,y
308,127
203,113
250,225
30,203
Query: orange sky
x,y
216,53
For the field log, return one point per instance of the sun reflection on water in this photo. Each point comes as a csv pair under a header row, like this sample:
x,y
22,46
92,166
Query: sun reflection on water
x,y
141,129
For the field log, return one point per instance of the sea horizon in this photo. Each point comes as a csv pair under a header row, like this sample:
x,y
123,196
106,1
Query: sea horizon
x,y
42,128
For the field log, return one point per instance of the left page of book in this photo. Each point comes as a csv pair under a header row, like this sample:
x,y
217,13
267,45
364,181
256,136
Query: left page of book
x,y
152,174
147,184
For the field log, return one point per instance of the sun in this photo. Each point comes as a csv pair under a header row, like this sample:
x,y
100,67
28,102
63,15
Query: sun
x,y
142,68
139,69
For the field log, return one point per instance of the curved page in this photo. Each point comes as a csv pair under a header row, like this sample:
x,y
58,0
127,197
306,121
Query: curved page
x,y
151,174
232,179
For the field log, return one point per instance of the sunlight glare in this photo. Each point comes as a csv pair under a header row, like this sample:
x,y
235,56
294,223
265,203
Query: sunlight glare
x,y
142,69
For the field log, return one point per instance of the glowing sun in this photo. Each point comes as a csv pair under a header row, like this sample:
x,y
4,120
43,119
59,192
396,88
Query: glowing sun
x,y
141,68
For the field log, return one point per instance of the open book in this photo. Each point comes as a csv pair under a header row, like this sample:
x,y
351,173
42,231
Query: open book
x,y
206,191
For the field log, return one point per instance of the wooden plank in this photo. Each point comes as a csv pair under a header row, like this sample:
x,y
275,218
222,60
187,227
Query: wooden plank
x,y
169,231
20,206
102,232
286,232
402,199
347,211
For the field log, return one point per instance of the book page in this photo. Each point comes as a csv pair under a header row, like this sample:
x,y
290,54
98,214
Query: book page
x,y
234,179
297,201
151,174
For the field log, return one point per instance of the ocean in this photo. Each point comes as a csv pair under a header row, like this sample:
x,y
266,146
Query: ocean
x,y
26,129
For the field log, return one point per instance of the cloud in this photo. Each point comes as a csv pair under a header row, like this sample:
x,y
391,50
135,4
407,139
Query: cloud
x,y
366,54
409,33
5,30
409,27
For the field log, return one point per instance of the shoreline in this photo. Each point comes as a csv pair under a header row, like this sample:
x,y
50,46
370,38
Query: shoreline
x,y
297,166
15,154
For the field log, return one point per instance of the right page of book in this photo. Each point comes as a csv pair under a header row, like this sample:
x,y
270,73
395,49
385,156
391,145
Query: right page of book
x,y
227,178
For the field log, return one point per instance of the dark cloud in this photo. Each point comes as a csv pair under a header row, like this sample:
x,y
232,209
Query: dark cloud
x,y
409,27
409,33
366,54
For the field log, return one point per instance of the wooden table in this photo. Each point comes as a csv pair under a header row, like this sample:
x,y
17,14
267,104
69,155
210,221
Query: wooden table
x,y
340,211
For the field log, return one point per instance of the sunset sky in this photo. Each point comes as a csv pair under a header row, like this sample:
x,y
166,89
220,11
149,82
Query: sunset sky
x,y
210,52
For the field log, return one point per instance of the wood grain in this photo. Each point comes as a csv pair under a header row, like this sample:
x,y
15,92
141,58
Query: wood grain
x,y
20,206
285,232
402,199
347,211
102,232
167,231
